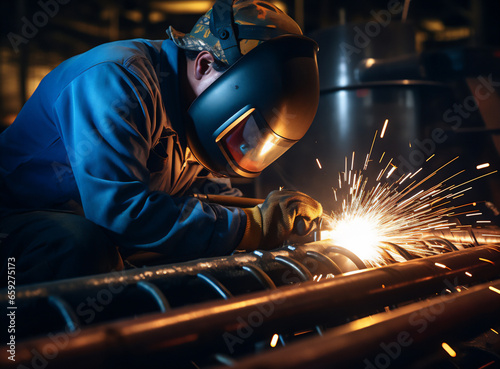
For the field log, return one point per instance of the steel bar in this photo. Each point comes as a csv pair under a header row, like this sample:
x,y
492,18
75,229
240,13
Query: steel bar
x,y
233,262
194,330
230,265
156,289
389,338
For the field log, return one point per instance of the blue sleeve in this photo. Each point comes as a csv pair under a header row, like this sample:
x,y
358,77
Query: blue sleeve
x,y
107,117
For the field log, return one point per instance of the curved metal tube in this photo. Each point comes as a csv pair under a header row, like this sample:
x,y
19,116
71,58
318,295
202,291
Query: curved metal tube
x,y
67,313
329,263
303,272
158,296
215,284
400,250
443,242
349,254
260,275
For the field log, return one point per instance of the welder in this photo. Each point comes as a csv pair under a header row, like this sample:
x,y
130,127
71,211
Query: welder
x,y
101,161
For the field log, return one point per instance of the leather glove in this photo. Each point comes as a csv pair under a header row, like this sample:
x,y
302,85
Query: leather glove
x,y
283,214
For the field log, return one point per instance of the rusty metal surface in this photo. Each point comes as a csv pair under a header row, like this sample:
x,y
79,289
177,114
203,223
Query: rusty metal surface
x,y
197,331
392,338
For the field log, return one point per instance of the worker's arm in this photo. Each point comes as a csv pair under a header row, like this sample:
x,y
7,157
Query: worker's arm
x,y
114,105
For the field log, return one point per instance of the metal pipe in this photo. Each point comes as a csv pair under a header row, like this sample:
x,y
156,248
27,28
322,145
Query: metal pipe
x,y
391,337
176,333
226,265
124,294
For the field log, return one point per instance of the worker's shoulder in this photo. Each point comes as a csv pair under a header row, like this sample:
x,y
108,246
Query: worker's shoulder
x,y
122,52
140,56
127,54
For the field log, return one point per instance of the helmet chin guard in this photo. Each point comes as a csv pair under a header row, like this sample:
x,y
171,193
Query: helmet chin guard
x,y
254,112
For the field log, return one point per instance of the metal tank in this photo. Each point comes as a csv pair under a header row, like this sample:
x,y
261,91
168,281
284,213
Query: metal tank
x,y
369,73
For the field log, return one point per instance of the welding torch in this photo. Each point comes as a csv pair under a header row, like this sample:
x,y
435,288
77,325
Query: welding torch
x,y
236,201
248,202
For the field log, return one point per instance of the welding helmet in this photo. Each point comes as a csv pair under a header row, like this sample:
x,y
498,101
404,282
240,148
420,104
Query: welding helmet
x,y
265,102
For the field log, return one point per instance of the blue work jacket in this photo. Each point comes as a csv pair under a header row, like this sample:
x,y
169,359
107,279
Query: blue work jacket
x,y
103,135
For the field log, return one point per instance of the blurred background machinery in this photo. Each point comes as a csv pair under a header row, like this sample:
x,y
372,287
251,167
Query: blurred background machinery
x,y
430,65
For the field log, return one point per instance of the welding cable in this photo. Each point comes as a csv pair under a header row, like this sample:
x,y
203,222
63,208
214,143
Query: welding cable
x,y
156,293
215,284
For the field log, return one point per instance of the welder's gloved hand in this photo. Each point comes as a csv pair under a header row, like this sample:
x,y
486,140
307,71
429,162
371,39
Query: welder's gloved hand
x,y
283,214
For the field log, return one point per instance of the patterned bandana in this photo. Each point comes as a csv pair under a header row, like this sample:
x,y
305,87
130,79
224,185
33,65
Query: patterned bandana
x,y
245,12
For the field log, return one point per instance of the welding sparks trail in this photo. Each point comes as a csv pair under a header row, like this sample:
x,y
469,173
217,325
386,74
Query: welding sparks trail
x,y
384,128
319,164
372,216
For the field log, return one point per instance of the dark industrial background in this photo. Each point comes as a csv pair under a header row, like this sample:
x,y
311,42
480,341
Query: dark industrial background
x,y
452,40
76,26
